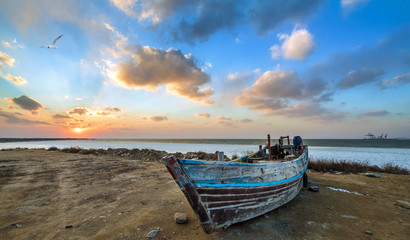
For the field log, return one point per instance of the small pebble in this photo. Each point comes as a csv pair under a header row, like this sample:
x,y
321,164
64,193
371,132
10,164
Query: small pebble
x,y
69,226
314,188
369,232
180,218
375,175
153,233
403,204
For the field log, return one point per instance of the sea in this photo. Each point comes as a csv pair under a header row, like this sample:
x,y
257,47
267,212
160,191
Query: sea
x,y
374,152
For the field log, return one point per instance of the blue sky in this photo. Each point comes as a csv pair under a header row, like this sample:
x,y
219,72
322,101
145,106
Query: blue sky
x,y
204,69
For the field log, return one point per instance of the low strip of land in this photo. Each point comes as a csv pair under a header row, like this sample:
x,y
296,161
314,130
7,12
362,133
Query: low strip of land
x,y
62,195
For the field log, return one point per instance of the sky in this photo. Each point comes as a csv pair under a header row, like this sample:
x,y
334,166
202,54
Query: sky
x,y
204,68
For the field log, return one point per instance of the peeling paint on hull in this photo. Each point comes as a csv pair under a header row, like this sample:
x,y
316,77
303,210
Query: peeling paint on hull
x,y
224,193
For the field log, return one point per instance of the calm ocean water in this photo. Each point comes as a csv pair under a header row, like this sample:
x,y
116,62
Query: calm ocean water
x,y
378,152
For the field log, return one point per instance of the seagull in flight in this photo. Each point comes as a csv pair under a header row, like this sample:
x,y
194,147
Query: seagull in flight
x,y
53,46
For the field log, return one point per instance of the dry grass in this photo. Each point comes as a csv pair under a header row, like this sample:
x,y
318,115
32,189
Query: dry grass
x,y
322,165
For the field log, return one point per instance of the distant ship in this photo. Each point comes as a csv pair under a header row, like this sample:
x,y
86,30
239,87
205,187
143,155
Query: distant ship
x,y
371,136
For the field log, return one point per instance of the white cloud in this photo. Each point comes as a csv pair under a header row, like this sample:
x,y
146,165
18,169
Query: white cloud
x,y
275,51
154,11
6,44
6,59
395,82
12,44
298,45
275,93
150,67
350,5
16,80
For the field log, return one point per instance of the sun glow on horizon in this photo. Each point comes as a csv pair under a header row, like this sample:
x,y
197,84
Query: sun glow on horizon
x,y
78,130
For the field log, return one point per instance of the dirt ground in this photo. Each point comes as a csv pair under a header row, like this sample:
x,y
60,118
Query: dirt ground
x,y
55,195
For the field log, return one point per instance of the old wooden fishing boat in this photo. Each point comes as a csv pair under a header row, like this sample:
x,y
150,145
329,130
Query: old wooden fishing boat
x,y
223,193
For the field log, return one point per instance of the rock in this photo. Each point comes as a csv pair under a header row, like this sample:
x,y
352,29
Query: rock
x,y
369,232
310,223
153,233
403,204
375,175
349,217
17,225
314,188
180,218
69,226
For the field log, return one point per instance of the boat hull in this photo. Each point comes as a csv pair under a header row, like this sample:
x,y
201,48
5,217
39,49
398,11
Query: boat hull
x,y
224,193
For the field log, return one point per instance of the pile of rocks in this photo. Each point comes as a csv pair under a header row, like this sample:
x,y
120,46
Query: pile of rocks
x,y
141,154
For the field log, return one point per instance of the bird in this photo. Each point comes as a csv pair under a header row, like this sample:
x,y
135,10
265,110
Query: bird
x,y
53,46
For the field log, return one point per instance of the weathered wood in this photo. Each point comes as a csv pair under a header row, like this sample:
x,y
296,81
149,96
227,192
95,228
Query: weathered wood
x,y
221,156
224,193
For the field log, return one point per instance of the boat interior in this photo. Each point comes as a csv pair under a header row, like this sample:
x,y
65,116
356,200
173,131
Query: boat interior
x,y
278,152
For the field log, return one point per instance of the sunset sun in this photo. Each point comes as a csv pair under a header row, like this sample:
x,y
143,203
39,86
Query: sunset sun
x,y
78,130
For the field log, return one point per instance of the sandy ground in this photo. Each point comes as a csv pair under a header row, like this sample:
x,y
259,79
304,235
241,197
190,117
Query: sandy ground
x,y
55,195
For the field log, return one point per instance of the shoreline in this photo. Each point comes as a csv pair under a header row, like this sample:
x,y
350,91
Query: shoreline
x,y
320,165
59,195
364,143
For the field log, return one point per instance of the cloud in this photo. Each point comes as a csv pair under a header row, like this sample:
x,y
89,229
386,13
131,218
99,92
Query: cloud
x,y
6,44
277,84
225,121
350,5
391,53
359,77
211,17
12,44
298,45
274,91
266,105
119,42
395,82
79,111
244,120
113,109
192,20
203,115
38,18
150,67
158,118
103,113
6,59
313,87
154,11
27,103
309,110
221,118
327,97
61,116
14,119
268,15
16,80
376,113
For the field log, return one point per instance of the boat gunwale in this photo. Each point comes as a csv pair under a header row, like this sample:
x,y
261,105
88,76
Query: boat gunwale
x,y
264,164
